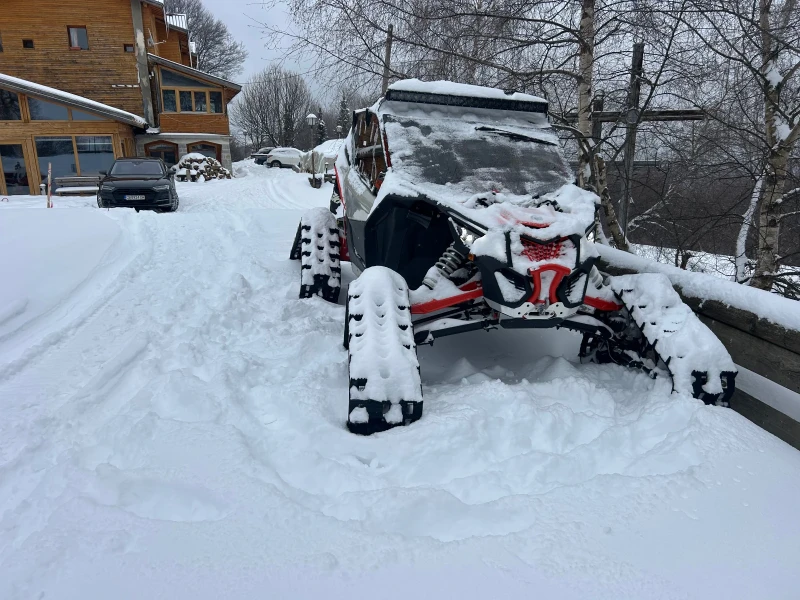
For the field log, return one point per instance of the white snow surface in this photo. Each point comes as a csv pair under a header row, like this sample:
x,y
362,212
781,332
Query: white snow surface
x,y
460,89
67,97
174,427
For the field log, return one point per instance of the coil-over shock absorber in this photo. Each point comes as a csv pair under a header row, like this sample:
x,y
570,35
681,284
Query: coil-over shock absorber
x,y
450,262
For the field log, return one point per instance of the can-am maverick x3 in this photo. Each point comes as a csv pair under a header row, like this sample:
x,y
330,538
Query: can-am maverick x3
x,y
460,213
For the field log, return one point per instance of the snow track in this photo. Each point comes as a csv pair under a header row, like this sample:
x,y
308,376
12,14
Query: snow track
x,y
174,426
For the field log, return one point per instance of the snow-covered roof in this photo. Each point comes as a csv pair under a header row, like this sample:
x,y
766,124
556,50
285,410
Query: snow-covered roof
x,y
450,88
35,89
181,68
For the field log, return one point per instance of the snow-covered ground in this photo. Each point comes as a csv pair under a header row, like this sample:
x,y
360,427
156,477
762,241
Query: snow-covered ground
x,y
173,426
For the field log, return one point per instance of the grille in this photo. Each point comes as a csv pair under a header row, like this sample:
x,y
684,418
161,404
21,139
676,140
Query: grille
x,y
541,252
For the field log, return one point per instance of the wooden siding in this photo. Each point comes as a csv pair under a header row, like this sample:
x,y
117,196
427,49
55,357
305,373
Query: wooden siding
x,y
191,123
174,45
90,73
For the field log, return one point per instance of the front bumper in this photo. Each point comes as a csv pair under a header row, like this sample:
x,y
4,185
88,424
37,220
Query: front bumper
x,y
152,200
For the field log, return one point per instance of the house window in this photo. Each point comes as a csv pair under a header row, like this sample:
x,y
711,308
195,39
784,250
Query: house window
x,y
192,101
95,153
58,152
78,38
27,44
128,48
9,106
170,104
215,101
166,151
1,43
79,115
173,79
83,155
200,102
41,110
186,101
206,149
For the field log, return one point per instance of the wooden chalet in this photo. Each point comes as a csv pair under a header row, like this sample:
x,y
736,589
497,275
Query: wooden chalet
x,y
83,82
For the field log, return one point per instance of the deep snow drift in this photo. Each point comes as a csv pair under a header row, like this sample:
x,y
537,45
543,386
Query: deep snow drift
x,y
173,426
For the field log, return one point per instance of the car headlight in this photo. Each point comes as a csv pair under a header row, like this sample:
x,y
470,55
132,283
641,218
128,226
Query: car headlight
x,y
160,188
106,187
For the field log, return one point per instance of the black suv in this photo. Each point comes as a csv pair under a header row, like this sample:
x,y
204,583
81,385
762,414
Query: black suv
x,y
140,183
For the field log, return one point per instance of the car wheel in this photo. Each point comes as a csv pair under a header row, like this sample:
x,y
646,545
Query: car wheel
x,y
99,202
275,164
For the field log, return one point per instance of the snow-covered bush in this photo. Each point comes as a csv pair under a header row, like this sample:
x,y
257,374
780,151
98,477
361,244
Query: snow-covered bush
x,y
199,167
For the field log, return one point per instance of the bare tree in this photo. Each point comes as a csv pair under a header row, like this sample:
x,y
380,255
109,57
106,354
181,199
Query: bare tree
x,y
217,51
272,107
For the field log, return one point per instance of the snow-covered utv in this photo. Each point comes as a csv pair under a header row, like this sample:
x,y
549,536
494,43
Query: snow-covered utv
x,y
460,213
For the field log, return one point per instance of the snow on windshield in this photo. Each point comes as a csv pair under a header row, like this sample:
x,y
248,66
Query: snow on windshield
x,y
448,152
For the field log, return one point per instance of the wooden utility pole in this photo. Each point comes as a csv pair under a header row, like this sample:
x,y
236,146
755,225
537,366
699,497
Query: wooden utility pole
x,y
631,124
387,59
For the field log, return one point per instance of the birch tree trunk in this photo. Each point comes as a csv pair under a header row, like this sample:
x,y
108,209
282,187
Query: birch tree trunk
x,y
585,67
779,144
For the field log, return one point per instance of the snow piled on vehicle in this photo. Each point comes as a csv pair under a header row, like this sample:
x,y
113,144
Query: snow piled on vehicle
x,y
493,166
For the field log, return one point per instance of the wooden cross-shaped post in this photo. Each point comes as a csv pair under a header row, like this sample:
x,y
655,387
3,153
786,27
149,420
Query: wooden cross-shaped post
x,y
632,115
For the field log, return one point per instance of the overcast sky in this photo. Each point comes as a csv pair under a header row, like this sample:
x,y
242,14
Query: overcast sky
x,y
242,18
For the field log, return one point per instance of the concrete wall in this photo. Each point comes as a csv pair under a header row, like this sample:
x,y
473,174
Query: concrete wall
x,y
183,140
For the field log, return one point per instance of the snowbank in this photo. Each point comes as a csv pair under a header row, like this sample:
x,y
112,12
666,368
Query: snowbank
x,y
772,307
326,152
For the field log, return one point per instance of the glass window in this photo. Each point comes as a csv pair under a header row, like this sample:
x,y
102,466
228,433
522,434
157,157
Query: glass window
x,y
209,150
186,101
95,153
128,48
78,39
200,102
9,106
169,101
58,152
165,151
1,43
79,115
27,44
216,101
173,79
41,110
15,173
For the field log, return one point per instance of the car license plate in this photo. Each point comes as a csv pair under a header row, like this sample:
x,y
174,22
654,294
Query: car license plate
x,y
134,197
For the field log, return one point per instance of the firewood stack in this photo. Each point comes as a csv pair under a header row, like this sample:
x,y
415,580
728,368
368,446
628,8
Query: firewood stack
x,y
192,166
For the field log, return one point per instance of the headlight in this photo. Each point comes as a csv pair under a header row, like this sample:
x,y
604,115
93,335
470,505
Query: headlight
x,y
160,188
467,236
106,187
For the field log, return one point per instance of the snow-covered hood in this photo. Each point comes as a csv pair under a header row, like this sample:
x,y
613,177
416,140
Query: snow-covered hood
x,y
501,169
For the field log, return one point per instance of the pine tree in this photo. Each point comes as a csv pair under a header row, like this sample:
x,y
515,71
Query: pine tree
x,y
344,118
288,129
322,130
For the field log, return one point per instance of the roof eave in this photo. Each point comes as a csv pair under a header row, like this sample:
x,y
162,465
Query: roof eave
x,y
194,72
36,92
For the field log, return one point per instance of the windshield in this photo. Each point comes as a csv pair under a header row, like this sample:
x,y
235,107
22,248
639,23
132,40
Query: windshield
x,y
135,167
466,157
